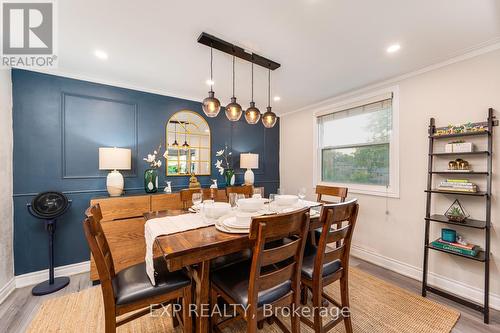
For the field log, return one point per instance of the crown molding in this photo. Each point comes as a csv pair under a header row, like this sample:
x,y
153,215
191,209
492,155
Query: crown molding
x,y
490,46
112,83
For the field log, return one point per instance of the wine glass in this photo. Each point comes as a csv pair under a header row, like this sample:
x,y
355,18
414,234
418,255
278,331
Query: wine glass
x,y
258,192
232,199
197,199
272,197
302,193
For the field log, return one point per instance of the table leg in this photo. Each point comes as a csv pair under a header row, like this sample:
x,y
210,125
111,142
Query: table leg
x,y
202,280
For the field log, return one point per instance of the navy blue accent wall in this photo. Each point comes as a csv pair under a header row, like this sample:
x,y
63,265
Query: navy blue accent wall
x,y
58,125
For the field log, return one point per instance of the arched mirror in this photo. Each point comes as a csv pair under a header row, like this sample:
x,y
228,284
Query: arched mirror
x,y
187,137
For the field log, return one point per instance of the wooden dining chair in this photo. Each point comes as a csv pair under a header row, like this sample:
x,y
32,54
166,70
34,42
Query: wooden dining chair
x,y
130,289
247,190
328,262
334,191
271,277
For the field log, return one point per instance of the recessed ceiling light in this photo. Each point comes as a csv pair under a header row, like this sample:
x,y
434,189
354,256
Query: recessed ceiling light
x,y
101,54
209,82
393,48
276,98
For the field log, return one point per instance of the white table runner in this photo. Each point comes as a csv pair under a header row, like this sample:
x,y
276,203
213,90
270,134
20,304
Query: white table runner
x,y
165,226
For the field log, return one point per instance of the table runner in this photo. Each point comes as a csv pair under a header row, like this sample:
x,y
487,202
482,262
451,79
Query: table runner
x,y
165,226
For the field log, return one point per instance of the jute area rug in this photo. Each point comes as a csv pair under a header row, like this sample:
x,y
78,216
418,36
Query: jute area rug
x,y
376,306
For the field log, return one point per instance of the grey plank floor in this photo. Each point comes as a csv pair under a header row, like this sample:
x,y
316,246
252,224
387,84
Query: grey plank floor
x,y
20,307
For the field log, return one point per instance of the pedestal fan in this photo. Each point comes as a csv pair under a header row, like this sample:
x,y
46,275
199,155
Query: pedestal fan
x,y
48,206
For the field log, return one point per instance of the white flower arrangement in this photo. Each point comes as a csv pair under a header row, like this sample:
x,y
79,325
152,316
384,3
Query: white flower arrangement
x,y
154,163
221,165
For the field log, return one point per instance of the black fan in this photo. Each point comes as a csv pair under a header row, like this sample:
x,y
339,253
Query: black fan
x,y
48,206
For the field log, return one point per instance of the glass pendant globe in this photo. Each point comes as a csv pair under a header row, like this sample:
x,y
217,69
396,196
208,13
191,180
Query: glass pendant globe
x,y
252,114
269,118
233,110
211,105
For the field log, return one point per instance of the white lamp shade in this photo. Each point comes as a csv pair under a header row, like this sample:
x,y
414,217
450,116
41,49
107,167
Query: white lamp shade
x,y
115,159
249,161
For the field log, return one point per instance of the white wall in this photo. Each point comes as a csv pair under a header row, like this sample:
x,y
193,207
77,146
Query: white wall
x,y
6,240
457,93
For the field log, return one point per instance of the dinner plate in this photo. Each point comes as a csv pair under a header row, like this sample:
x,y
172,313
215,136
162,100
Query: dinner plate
x,y
219,225
232,222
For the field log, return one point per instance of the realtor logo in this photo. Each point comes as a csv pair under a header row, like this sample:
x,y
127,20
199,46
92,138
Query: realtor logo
x,y
28,34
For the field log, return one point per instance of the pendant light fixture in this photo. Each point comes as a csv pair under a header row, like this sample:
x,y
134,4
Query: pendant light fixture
x,y
252,114
175,144
233,109
211,105
185,145
269,117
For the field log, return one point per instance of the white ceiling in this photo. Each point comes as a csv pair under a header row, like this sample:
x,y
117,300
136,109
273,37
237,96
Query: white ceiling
x,y
325,47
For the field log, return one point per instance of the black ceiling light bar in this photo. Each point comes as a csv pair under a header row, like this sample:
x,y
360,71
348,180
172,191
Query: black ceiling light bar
x,y
231,49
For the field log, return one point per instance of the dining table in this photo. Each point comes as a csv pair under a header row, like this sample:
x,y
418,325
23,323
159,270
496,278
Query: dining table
x,y
194,249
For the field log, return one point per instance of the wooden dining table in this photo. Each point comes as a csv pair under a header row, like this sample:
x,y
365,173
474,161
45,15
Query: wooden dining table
x,y
194,249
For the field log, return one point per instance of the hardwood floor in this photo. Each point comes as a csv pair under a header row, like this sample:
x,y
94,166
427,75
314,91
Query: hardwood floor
x,y
20,307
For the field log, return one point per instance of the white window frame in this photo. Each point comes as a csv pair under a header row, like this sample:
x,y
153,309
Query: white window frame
x,y
386,191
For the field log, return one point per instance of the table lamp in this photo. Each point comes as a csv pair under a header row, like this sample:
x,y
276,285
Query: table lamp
x,y
249,161
115,159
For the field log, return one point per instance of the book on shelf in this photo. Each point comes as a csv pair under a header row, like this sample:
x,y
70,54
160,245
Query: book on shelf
x,y
467,246
458,181
453,189
460,185
456,249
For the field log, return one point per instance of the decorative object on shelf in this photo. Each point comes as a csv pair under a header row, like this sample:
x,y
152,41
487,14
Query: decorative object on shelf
x,y
151,174
233,109
459,185
194,154
461,129
115,159
449,235
252,114
225,165
466,249
168,188
459,165
459,146
211,105
249,161
456,212
214,183
269,118
193,181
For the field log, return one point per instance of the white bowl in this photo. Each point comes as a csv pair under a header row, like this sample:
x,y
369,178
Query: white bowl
x,y
250,204
286,200
216,209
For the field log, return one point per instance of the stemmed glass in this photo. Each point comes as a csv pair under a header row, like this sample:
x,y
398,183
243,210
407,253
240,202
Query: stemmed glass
x,y
232,199
272,196
197,199
302,193
258,192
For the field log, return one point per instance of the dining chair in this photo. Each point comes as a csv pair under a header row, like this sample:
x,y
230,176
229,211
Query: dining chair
x,y
328,262
334,191
271,277
130,289
247,190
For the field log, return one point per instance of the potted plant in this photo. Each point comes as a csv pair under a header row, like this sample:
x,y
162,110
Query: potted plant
x,y
151,174
456,212
225,165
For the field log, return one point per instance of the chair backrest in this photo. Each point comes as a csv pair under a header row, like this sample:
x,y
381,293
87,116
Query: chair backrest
x,y
333,191
335,244
247,190
292,228
187,195
99,245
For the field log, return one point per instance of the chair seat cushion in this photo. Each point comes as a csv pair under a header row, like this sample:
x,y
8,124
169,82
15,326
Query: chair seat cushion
x,y
308,264
233,258
132,283
233,280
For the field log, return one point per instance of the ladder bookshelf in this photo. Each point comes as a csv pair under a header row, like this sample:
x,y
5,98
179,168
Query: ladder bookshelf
x,y
483,256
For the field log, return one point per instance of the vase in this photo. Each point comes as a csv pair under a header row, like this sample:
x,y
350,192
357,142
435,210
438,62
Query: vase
x,y
151,180
230,177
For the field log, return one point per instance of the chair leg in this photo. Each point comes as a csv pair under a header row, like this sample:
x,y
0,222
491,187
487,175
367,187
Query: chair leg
x,y
215,316
303,294
186,301
317,302
109,320
344,295
295,320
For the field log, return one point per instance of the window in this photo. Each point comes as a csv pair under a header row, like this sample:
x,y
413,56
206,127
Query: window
x,y
356,146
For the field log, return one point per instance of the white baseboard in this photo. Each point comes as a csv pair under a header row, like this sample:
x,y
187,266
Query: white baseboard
x,y
456,287
40,276
6,290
